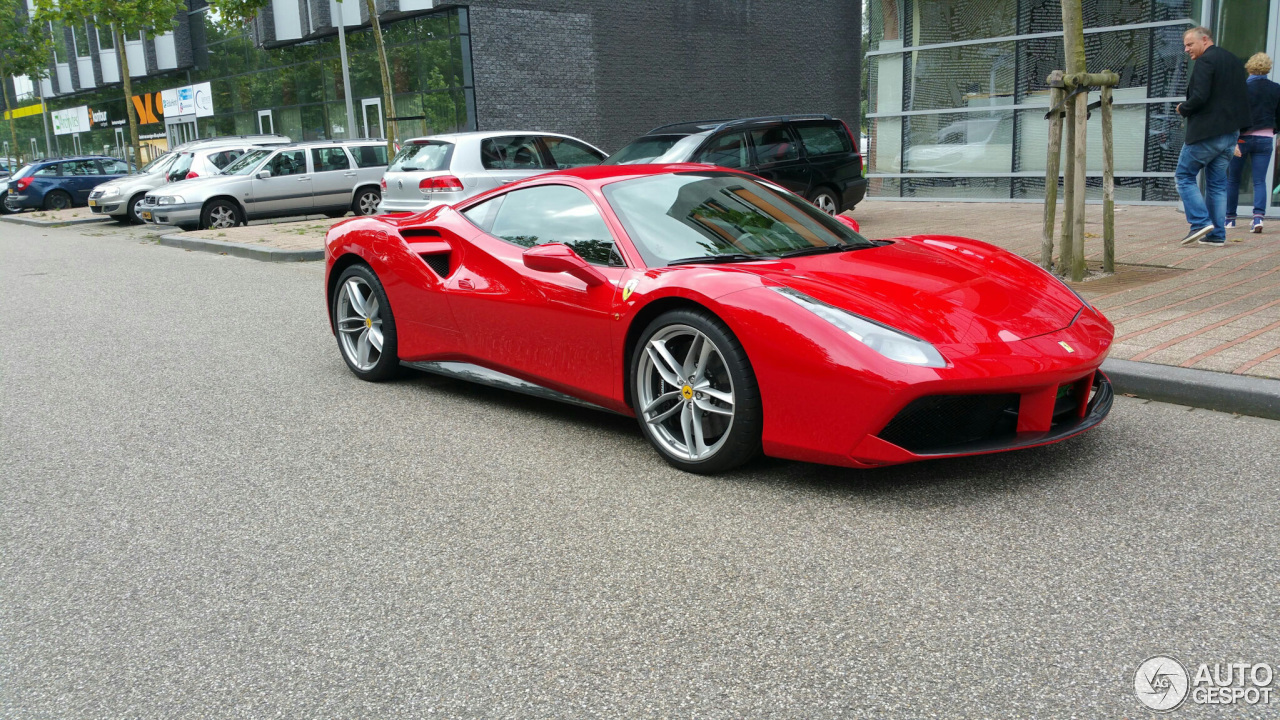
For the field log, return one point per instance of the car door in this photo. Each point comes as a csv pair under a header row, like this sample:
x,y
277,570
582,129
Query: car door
x,y
80,177
728,149
509,158
778,158
287,191
569,153
551,328
333,177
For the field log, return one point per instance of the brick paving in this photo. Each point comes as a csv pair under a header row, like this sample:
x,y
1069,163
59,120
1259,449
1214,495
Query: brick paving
x,y
1196,306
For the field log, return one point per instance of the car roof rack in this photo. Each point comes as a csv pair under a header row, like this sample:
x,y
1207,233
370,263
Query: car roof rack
x,y
714,125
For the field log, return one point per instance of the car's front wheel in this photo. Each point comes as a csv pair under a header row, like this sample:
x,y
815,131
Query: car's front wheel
x,y
133,213
695,393
219,215
365,327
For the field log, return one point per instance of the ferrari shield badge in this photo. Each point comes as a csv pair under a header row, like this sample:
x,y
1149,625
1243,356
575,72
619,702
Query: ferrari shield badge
x,y
1066,347
629,288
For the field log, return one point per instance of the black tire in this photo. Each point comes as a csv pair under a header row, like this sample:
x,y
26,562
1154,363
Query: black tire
x,y
366,201
742,438
216,211
57,200
826,200
131,210
387,365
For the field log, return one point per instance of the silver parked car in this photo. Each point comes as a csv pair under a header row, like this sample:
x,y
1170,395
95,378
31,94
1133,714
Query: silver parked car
x,y
122,198
445,169
323,176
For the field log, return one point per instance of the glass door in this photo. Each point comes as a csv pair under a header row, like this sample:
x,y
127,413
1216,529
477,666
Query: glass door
x,y
371,109
266,125
120,143
1246,27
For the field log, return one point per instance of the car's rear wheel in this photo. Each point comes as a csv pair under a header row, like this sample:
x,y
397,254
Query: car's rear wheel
x,y
56,200
219,215
366,329
366,202
826,201
133,214
695,393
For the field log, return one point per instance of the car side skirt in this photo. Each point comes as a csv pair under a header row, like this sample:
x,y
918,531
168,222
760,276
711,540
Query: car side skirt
x,y
502,381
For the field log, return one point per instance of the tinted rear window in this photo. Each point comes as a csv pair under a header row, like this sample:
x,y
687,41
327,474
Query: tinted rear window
x,y
643,150
824,139
369,155
179,169
423,157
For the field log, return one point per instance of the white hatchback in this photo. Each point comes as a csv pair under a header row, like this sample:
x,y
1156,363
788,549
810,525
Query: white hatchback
x,y
445,169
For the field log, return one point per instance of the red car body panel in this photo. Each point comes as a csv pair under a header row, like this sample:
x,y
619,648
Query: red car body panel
x,y
1003,324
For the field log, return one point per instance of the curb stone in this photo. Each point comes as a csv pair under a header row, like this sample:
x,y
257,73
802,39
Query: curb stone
x,y
32,222
1224,392
252,252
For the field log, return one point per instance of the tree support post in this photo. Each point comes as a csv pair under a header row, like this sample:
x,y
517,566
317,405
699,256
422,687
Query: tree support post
x,y
1051,169
1108,187
1077,218
1068,189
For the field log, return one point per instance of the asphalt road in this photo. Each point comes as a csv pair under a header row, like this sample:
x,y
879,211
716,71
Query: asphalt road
x,y
204,514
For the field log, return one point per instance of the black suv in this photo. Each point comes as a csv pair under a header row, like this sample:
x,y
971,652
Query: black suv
x,y
810,155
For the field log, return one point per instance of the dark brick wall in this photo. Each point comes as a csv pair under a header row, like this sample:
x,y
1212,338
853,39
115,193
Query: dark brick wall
x,y
608,70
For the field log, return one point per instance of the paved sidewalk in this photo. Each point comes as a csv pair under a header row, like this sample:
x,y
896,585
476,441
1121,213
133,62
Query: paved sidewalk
x,y
1198,307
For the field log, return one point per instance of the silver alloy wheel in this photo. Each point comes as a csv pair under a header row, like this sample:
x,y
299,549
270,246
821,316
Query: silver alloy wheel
x,y
825,203
368,202
135,209
359,324
222,217
688,404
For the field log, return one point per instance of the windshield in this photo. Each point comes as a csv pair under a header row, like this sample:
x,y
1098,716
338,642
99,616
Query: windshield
x,y
644,150
702,214
422,156
159,164
245,164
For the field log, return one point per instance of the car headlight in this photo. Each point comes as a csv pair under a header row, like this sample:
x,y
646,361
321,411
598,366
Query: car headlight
x,y
893,344
170,200
110,192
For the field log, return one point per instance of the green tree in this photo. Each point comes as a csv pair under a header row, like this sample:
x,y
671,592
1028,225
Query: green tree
x,y
127,18
244,11
24,50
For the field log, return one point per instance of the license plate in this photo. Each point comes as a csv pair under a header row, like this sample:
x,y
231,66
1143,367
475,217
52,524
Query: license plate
x,y
146,215
92,203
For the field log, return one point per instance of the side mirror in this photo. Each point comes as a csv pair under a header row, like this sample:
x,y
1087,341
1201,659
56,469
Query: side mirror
x,y
264,174
845,219
560,258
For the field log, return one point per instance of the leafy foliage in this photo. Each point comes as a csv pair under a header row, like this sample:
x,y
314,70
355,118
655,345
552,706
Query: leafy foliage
x,y
238,12
24,45
130,17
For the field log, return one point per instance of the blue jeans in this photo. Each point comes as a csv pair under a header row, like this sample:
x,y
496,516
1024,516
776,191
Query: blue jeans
x,y
1212,155
1256,150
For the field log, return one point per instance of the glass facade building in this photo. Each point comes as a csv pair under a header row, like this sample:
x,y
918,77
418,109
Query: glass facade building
x,y
232,86
957,92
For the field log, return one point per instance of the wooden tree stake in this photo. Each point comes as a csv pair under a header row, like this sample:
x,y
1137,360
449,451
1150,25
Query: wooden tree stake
x,y
1108,187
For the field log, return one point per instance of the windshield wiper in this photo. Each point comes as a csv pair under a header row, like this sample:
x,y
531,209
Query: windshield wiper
x,y
843,247
725,258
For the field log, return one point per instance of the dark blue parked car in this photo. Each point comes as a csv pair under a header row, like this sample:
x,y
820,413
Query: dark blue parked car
x,y
57,183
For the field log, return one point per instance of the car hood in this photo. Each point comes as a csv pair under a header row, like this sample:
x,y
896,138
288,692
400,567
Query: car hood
x,y
126,180
941,289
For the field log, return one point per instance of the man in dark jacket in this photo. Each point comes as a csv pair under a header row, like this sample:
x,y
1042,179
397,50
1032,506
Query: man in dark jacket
x,y
1217,110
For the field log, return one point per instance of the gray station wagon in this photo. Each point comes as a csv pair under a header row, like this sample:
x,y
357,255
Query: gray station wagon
x,y
331,177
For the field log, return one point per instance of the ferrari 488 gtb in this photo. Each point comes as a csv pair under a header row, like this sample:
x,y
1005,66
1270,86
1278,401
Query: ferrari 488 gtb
x,y
727,314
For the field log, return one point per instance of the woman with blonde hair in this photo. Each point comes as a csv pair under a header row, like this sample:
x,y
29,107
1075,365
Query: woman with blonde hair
x,y
1256,144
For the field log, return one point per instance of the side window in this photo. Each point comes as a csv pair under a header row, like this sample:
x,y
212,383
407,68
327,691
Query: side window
x,y
517,152
571,153
47,171
728,150
482,214
370,155
824,139
80,168
328,159
774,144
288,162
223,158
114,167
556,214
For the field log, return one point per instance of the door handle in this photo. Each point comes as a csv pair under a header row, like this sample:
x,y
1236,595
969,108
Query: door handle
x,y
304,179
348,174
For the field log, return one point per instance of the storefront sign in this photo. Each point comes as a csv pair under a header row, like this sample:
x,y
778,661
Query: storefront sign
x,y
150,108
203,99
29,110
186,101
71,120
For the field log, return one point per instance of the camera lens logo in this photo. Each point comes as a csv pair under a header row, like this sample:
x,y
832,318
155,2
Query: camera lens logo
x,y
1161,683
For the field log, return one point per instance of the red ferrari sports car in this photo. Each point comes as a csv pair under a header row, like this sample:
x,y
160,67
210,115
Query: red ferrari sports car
x,y
725,313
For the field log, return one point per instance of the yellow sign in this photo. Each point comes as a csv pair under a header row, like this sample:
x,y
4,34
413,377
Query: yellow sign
x,y
150,108
22,112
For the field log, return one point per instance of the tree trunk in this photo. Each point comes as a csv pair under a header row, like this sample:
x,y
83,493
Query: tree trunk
x,y
122,52
389,108
1051,179
13,131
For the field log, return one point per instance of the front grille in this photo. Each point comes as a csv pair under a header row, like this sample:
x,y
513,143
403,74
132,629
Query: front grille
x,y
935,423
148,200
95,194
